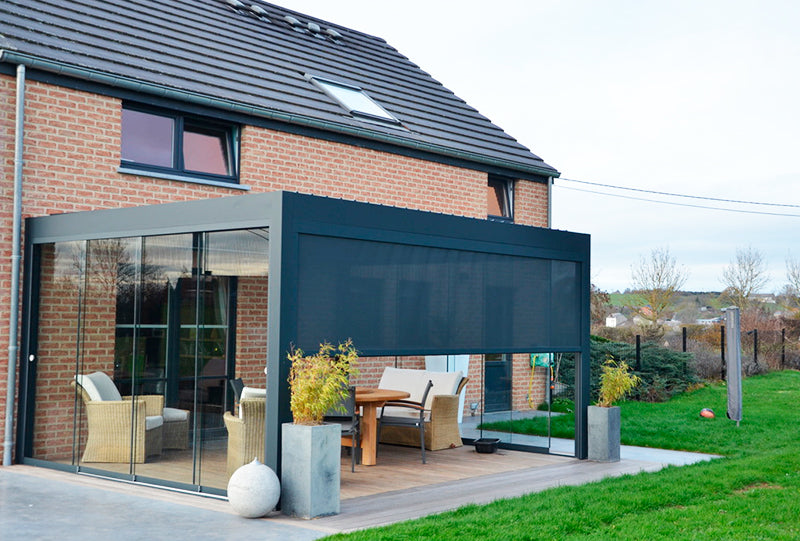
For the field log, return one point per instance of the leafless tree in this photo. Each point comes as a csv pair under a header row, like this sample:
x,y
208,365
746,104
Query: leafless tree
x,y
793,278
656,280
745,276
600,306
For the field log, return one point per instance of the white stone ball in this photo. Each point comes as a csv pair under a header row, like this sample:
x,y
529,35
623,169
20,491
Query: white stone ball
x,y
253,490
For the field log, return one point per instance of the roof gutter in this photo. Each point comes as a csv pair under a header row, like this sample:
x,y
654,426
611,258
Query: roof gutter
x,y
238,107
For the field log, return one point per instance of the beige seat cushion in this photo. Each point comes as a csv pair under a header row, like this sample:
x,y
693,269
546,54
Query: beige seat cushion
x,y
174,415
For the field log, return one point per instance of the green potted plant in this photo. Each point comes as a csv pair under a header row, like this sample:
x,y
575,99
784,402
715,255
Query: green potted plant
x,y
616,381
310,473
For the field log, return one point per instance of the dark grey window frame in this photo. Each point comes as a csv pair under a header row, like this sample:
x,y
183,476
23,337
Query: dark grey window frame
x,y
508,191
178,171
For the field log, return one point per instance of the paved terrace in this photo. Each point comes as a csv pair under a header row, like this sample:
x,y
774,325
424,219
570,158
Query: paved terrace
x,y
39,503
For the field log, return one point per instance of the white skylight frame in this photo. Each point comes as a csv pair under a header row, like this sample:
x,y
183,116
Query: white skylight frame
x,y
354,100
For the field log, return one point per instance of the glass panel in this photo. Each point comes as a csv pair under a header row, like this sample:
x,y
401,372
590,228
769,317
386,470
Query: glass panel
x,y
234,283
54,436
355,100
165,319
206,150
165,261
515,408
116,423
147,138
498,199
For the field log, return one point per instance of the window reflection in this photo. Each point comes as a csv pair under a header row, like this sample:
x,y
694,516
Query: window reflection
x,y
205,151
147,138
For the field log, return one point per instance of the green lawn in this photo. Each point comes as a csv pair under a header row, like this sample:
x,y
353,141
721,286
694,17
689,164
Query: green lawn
x,y
753,493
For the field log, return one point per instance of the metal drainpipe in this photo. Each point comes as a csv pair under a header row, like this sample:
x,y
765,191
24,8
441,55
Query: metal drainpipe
x,y
549,202
16,257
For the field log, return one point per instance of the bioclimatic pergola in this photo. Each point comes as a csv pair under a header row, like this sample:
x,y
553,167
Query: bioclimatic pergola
x,y
398,282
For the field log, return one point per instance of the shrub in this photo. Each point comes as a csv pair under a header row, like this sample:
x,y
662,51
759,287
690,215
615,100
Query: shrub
x,y
664,373
616,381
319,382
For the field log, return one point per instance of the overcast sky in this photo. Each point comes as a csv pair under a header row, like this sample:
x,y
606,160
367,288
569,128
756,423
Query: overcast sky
x,y
700,98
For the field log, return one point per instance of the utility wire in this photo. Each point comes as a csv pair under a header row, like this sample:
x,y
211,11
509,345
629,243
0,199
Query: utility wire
x,y
680,195
742,211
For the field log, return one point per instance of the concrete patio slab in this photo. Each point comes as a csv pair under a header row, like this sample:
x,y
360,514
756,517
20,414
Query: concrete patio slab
x,y
40,503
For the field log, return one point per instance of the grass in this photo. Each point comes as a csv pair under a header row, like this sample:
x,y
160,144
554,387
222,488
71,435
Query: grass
x,y
753,493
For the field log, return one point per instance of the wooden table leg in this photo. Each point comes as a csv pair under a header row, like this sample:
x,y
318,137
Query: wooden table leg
x,y
369,435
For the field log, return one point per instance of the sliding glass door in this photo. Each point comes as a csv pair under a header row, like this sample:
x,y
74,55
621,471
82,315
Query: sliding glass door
x,y
136,341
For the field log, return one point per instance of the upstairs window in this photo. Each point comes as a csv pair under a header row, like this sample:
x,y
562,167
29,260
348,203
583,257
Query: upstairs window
x,y
355,101
500,199
166,144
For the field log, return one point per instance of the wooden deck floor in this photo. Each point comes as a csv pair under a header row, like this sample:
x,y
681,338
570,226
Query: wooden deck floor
x,y
401,468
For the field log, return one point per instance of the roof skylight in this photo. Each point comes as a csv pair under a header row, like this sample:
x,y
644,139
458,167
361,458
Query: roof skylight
x,y
354,100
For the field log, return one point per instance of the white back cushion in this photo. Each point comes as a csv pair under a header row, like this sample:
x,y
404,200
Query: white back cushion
x,y
99,386
250,392
403,379
443,383
415,381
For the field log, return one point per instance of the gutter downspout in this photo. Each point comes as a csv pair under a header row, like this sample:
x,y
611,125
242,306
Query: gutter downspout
x,y
550,203
16,257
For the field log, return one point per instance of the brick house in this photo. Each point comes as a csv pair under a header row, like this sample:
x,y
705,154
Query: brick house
x,y
145,103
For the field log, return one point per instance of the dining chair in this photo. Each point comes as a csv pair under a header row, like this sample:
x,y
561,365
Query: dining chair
x,y
406,413
346,414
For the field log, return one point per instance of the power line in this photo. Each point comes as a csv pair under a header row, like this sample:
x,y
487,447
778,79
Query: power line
x,y
681,195
741,211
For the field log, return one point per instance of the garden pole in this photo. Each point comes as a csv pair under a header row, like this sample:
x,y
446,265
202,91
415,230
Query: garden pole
x,y
638,352
734,347
783,349
684,338
722,350
755,348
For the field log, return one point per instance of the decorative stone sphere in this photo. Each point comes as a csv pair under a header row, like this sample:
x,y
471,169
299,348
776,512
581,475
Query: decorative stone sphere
x,y
253,490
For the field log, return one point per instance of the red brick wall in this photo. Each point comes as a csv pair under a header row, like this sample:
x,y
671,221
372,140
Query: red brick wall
x,y
72,152
251,330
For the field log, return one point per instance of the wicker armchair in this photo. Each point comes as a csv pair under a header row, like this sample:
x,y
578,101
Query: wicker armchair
x,y
441,416
111,422
246,433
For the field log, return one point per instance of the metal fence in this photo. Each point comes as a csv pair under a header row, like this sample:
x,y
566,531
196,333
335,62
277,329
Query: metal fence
x,y
763,350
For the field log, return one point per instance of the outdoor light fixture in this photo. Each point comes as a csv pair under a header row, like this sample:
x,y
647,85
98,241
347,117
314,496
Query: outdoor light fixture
x,y
473,407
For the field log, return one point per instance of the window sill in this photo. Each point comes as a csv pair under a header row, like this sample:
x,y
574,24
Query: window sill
x,y
181,178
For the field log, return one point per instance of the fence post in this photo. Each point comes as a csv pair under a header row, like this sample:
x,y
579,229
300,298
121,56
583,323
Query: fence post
x,y
722,349
755,348
638,352
783,349
684,339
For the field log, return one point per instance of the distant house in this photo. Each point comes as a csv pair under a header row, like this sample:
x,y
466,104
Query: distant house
x,y
615,320
673,323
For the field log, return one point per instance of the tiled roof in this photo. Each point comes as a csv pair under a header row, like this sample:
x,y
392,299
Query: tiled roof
x,y
236,59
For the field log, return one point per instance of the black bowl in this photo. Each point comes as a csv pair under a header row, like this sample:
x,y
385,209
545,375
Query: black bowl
x,y
486,445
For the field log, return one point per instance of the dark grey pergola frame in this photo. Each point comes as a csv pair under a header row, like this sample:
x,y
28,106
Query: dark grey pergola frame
x,y
307,234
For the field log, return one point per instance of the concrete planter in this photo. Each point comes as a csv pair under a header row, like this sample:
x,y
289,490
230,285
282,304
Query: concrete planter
x,y
604,426
310,470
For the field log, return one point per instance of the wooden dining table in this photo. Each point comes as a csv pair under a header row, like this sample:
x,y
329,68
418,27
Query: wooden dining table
x,y
370,399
